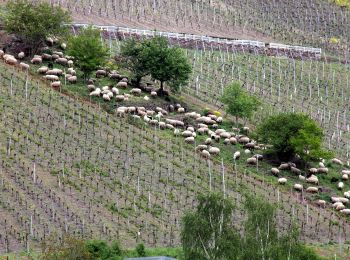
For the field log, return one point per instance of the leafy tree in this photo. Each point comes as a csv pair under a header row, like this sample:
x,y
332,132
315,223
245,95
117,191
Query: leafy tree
x,y
238,102
166,64
208,233
291,134
141,250
88,50
34,22
132,57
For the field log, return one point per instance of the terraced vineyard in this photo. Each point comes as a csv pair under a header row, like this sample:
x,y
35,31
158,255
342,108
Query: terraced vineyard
x,y
68,167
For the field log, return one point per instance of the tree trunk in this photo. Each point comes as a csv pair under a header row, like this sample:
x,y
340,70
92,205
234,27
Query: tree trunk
x,y
161,91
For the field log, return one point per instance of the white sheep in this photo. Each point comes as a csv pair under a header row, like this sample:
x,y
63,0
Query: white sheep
x,y
345,211
57,72
345,172
37,60
298,187
312,189
24,66
345,177
225,135
96,92
106,97
46,56
9,59
205,154
70,63
105,88
189,140
275,171
252,161
219,120
21,55
313,170
243,140
284,166
321,203
214,150
71,71
72,79
337,161
56,84
181,110
295,170
247,151
51,77
340,185
321,164
122,84
115,91
146,98
186,133
282,181
1,53
312,179
302,178
236,155
169,126
62,61
208,141
119,98
63,46
42,70
135,91
153,94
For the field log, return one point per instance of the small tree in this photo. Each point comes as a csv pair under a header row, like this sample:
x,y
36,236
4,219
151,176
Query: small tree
x,y
34,22
208,233
238,102
133,58
291,134
88,50
166,64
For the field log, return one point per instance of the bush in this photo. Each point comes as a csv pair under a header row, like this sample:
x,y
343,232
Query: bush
x,y
34,22
238,102
141,250
88,50
293,134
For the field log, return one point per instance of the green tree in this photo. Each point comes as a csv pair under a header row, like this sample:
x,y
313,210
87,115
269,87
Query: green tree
x,y
207,233
293,134
166,64
238,102
88,50
133,58
34,22
141,250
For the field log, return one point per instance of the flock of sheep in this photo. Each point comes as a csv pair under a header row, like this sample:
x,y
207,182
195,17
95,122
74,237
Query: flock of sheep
x,y
204,125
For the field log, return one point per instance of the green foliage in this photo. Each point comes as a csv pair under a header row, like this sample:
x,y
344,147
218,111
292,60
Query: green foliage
x,y
34,22
141,250
238,102
166,64
133,58
291,134
99,249
88,50
208,233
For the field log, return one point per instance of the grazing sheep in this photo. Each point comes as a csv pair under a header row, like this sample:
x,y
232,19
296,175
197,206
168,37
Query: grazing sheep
x,y
345,172
243,140
24,66
146,98
344,200
345,211
347,194
62,61
259,156
115,91
282,181
63,46
298,187
9,59
236,155
122,84
205,154
189,140
49,41
186,133
225,135
284,166
233,140
345,177
338,206
55,56
21,55
313,170
91,87
246,129
219,120
295,170
181,110
72,79
321,164
214,150
226,141
208,141
153,94
312,190
56,84
312,179
119,98
106,97
169,126
71,71
70,63
247,151
335,199
37,60
100,73
252,161
275,171
96,92
57,72
42,70
176,132
202,130
136,91
51,77
302,178
340,185
337,161
105,88
46,56
1,53
321,203
201,147
190,128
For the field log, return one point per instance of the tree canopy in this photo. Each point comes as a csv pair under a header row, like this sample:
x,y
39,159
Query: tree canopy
x,y
293,134
208,232
34,22
88,50
156,58
238,102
